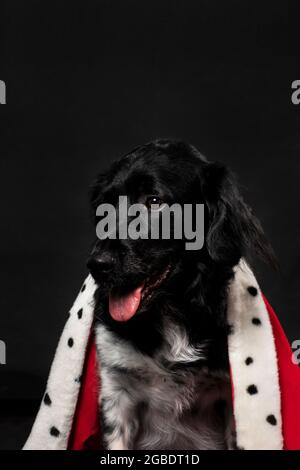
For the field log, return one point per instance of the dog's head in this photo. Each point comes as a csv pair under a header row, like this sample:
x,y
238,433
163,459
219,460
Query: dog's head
x,y
134,272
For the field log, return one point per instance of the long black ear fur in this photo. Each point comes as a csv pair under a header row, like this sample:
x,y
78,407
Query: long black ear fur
x,y
233,231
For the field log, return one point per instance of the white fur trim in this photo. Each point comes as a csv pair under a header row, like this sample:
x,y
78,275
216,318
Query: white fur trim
x,y
63,385
256,341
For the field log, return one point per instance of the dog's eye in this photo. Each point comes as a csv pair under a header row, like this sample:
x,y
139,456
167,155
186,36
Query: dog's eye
x,y
155,201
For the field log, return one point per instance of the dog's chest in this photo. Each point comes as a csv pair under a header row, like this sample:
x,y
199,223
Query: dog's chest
x,y
159,407
180,412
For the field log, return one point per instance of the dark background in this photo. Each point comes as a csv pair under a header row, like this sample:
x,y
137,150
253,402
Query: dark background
x,y
86,82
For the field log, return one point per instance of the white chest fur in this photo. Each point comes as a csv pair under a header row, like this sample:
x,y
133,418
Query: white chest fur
x,y
146,405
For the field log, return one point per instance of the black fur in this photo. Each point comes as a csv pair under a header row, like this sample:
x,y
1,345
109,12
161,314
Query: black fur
x,y
194,293
192,297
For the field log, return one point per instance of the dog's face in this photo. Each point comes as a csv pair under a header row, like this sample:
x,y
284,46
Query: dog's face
x,y
132,273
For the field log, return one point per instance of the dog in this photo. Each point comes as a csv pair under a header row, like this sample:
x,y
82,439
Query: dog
x,y
160,310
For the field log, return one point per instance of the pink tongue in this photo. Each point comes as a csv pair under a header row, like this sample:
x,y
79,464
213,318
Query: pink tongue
x,y
123,308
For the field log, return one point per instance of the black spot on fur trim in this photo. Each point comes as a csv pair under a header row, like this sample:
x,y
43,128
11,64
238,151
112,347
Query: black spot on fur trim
x,y
83,288
54,431
248,361
256,321
271,420
78,379
70,342
47,399
252,389
79,313
230,329
252,290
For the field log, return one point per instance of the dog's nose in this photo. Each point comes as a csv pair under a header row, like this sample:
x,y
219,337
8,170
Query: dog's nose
x,y
100,263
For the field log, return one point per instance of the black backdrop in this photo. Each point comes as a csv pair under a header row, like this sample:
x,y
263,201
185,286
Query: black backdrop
x,y
87,81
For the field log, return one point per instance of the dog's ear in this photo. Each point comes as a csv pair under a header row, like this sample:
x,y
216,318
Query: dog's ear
x,y
232,231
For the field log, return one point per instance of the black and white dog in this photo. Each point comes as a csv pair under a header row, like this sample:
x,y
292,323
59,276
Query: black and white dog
x,y
160,311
